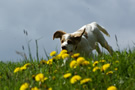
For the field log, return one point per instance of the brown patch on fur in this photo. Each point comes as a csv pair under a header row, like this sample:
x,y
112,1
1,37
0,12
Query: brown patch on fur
x,y
58,34
79,33
62,39
83,32
74,39
86,35
71,40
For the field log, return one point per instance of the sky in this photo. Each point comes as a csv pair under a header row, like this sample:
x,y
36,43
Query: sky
x,y
41,18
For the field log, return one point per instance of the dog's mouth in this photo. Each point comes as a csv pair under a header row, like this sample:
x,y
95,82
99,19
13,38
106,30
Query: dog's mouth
x,y
69,52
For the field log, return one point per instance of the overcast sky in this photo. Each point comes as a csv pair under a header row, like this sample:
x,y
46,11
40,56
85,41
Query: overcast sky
x,y
41,18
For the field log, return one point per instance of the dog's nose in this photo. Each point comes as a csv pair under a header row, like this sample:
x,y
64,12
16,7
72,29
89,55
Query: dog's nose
x,y
63,47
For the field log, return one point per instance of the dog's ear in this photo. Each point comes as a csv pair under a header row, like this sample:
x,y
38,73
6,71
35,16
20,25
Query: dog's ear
x,y
79,33
58,34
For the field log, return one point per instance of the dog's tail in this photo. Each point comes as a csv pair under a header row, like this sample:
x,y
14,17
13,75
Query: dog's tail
x,y
102,29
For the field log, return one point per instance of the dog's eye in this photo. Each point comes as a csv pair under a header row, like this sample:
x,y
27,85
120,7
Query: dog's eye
x,y
70,42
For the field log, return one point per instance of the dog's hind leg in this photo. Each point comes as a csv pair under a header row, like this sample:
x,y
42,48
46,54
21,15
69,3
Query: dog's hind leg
x,y
107,46
98,49
104,43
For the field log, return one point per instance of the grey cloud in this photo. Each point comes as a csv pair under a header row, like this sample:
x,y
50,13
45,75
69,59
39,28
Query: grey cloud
x,y
42,18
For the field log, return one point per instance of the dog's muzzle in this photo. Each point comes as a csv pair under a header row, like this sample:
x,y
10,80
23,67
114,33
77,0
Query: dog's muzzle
x,y
64,48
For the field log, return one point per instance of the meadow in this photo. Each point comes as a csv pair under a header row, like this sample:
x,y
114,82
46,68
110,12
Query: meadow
x,y
62,71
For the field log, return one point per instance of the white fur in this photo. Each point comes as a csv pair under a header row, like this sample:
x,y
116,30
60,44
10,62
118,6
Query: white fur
x,y
87,44
69,46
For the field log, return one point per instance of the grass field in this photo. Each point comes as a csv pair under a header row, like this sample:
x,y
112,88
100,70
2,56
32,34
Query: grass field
x,y
107,72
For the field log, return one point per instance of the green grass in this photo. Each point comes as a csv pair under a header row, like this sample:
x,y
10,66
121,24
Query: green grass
x,y
122,64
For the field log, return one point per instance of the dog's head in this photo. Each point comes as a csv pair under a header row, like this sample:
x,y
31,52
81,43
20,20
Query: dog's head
x,y
69,41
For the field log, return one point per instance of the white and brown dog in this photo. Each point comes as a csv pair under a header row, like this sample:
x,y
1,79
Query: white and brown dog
x,y
84,40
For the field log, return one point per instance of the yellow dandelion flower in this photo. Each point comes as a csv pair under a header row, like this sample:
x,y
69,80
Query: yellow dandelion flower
x,y
62,55
27,64
55,71
67,75
43,62
53,53
63,52
40,77
116,69
96,68
53,78
109,72
33,77
76,55
86,63
105,66
49,62
73,64
117,61
24,86
85,80
75,78
112,88
102,61
49,88
17,69
80,60
95,63
65,56
45,78
23,67
59,56
34,88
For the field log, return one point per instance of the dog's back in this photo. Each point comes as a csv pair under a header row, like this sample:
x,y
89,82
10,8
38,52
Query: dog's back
x,y
93,35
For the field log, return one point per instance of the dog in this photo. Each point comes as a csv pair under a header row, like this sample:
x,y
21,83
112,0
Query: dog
x,y
84,40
